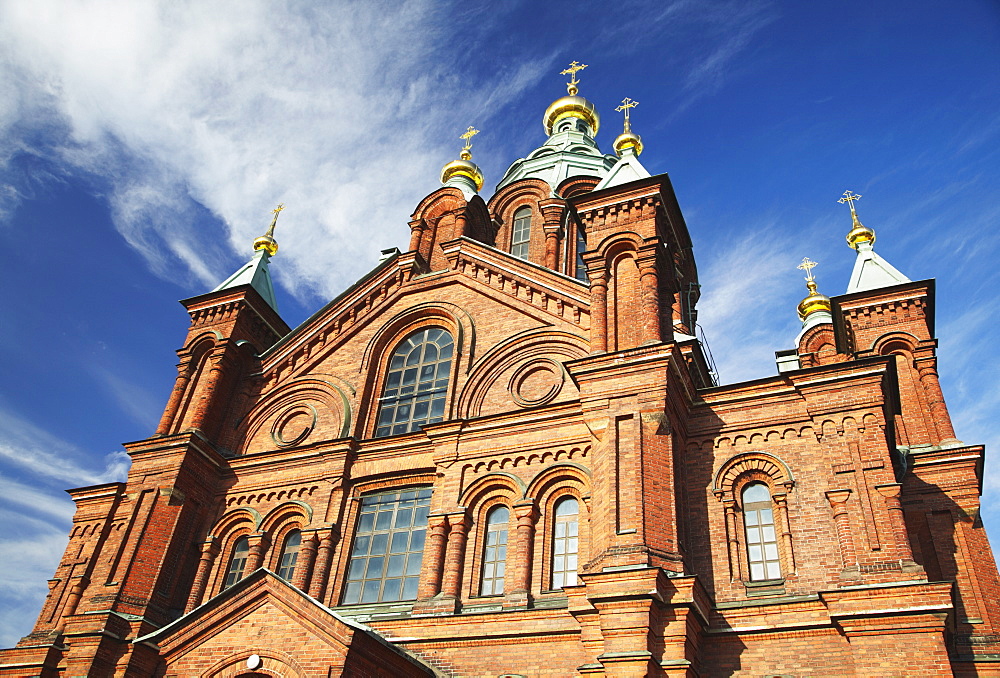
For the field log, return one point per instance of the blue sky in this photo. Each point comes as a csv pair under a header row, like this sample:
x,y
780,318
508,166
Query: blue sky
x,y
143,144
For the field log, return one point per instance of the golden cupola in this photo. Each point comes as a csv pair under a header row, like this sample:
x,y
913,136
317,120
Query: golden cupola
x,y
859,234
571,106
463,173
814,303
267,242
627,139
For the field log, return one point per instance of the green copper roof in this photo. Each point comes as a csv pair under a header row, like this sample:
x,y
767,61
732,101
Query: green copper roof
x,y
256,274
569,152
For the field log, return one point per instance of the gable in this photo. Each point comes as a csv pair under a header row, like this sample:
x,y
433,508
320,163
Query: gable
x,y
293,635
322,381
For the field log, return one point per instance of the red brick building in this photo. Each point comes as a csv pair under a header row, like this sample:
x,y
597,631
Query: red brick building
x,y
503,453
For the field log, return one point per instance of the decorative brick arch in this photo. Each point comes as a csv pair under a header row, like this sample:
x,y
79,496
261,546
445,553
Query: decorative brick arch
x,y
756,465
736,473
543,350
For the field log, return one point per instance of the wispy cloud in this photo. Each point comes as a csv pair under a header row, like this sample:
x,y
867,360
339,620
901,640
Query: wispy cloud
x,y
748,301
336,110
33,450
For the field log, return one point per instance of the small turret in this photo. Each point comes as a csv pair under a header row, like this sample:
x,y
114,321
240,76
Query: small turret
x,y
255,272
870,270
464,174
815,309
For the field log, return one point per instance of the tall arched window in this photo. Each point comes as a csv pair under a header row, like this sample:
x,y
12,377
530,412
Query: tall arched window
x,y
762,541
521,237
565,542
495,552
417,383
581,247
237,562
289,555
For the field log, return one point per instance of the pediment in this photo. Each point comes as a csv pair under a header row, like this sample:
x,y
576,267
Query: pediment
x,y
292,634
547,297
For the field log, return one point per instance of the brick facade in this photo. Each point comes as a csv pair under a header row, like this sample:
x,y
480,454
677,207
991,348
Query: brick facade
x,y
563,383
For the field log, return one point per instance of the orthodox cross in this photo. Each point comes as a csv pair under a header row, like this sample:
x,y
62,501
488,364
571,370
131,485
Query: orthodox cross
x,y
627,104
469,133
849,198
808,265
574,67
274,221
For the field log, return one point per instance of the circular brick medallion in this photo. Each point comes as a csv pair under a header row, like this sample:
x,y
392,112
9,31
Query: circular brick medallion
x,y
536,382
293,425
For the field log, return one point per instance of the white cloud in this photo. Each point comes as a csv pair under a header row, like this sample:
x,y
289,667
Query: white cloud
x,y
748,302
50,459
337,110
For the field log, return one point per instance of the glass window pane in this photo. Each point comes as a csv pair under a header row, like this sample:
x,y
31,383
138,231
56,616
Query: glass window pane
x,y
416,385
384,575
391,589
756,571
370,592
395,568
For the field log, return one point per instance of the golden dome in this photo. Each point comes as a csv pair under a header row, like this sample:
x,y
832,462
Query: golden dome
x,y
572,106
813,302
859,233
266,242
628,140
463,168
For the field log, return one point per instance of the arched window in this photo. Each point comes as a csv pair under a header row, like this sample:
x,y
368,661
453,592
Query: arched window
x,y
289,555
495,552
521,237
762,541
565,542
237,562
417,383
581,247
388,546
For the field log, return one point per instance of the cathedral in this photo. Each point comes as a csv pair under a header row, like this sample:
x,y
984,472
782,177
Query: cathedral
x,y
504,453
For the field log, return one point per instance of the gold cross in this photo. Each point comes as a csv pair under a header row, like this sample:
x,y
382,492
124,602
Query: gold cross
x,y
849,198
808,265
627,104
469,133
277,209
574,67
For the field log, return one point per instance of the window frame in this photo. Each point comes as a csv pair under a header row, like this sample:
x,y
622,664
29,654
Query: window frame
x,y
231,559
755,509
526,241
490,528
412,568
553,540
388,371
283,551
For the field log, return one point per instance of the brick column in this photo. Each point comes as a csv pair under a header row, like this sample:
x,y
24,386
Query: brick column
x,y
781,500
598,310
209,551
72,600
258,546
433,564
416,233
451,580
838,502
891,493
180,386
649,288
321,571
211,383
927,369
518,584
732,530
304,563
